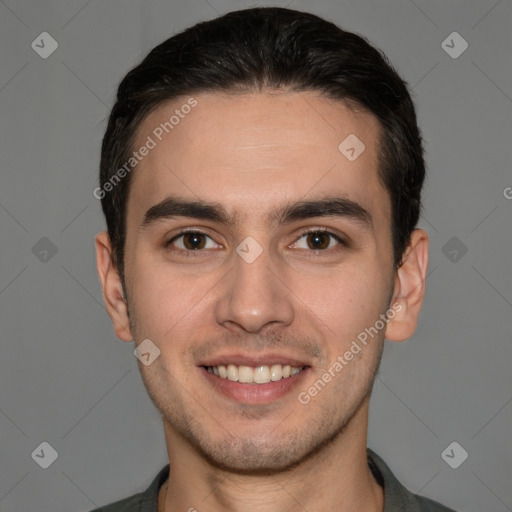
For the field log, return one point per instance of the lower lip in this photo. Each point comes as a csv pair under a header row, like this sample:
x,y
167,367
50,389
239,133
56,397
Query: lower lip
x,y
255,393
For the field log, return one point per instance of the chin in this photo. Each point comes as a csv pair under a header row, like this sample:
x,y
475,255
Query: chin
x,y
249,458
267,455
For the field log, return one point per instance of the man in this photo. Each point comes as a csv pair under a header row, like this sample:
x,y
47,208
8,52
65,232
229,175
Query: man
x,y
261,177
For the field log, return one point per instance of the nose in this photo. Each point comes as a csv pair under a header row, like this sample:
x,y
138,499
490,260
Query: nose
x,y
252,296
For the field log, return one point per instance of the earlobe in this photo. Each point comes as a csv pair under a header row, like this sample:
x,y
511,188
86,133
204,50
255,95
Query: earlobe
x,y
113,293
409,288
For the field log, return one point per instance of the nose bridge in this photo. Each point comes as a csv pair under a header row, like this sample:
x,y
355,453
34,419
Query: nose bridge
x,y
252,295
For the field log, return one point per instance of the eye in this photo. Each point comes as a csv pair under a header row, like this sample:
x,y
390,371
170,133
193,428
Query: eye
x,y
318,239
191,241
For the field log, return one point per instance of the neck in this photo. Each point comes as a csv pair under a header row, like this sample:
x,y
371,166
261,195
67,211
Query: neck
x,y
337,477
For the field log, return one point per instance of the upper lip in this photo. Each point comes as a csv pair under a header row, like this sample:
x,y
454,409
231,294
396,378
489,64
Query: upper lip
x,y
253,360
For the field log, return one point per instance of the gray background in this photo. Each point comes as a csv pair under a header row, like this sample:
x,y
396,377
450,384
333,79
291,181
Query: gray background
x,y
64,377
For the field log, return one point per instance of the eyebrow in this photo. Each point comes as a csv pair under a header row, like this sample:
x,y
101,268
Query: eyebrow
x,y
172,207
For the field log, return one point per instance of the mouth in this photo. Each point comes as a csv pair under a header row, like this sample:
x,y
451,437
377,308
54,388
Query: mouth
x,y
254,375
254,384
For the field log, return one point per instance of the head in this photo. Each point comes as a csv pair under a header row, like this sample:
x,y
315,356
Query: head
x,y
243,120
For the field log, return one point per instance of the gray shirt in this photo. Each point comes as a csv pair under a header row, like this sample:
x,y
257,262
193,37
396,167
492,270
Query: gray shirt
x,y
396,497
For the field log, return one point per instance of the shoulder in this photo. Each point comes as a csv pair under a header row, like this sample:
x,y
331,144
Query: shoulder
x,y
146,501
428,505
396,496
131,504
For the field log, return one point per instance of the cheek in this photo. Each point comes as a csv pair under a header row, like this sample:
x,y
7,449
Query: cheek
x,y
170,307
344,301
160,299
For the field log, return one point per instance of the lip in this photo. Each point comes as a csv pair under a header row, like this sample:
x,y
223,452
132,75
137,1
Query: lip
x,y
254,360
254,393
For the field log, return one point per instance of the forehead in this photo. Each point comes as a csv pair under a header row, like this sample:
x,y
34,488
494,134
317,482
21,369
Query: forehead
x,y
253,152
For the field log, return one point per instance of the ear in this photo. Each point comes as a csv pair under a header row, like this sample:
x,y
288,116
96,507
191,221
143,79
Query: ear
x,y
113,294
409,288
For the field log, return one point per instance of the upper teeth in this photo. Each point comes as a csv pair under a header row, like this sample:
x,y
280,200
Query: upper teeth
x,y
259,375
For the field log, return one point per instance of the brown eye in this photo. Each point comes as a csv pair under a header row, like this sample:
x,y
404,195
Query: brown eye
x,y
191,241
194,241
318,240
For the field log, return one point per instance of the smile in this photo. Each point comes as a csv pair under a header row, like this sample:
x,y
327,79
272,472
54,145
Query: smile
x,y
256,375
255,385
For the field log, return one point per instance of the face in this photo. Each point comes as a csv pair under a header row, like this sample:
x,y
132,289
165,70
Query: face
x,y
284,258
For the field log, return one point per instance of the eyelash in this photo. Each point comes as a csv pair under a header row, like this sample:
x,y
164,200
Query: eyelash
x,y
192,252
